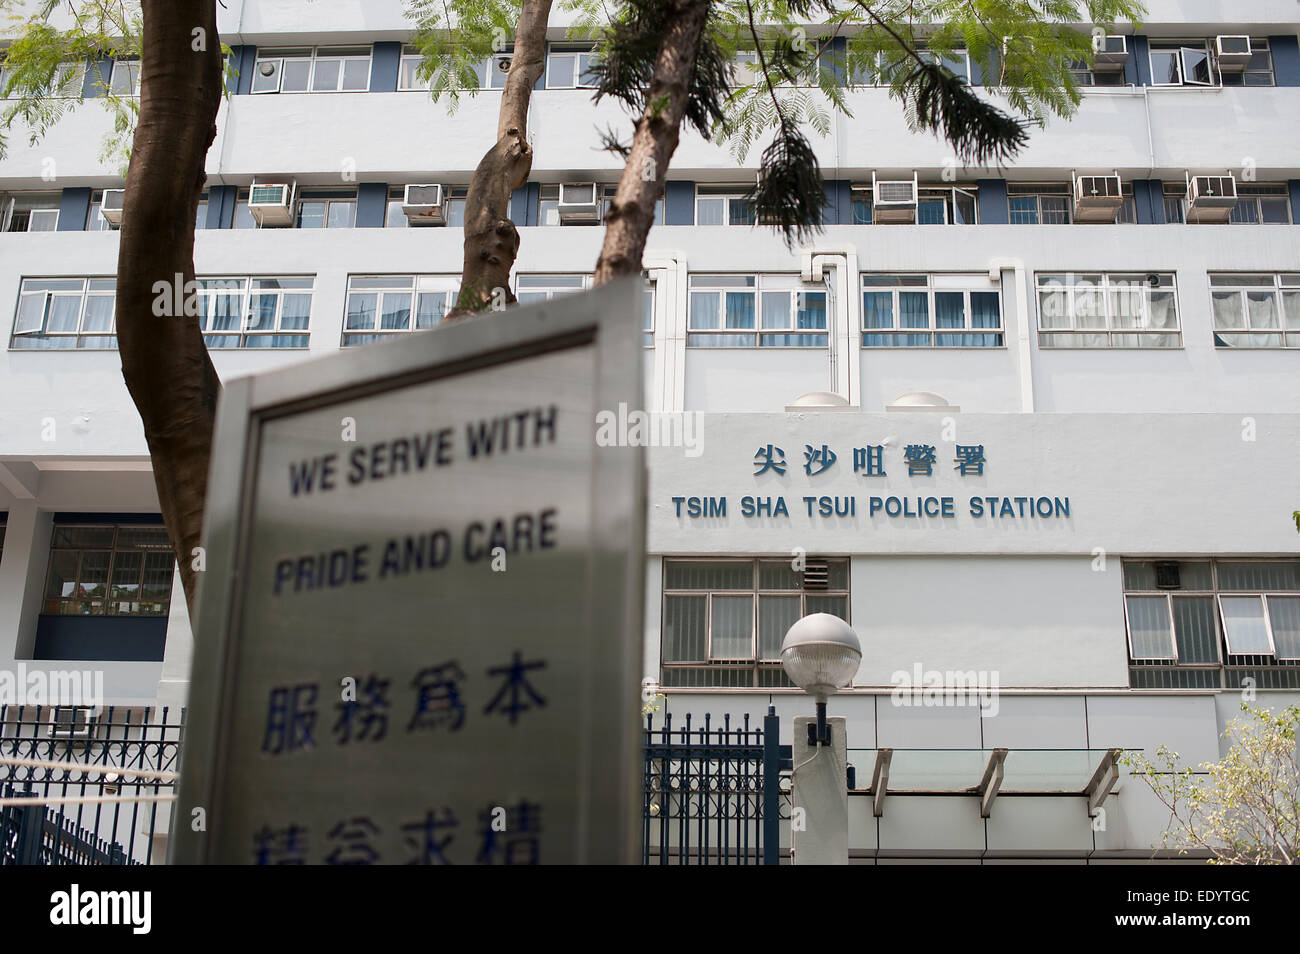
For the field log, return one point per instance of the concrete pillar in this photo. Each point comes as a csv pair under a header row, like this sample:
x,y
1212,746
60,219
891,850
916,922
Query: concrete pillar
x,y
821,794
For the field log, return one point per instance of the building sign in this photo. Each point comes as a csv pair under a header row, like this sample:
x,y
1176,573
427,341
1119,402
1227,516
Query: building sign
x,y
419,630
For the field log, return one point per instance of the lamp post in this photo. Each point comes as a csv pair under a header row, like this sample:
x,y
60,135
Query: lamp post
x,y
820,654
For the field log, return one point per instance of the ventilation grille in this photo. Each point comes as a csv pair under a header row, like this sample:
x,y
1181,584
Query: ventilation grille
x,y
817,575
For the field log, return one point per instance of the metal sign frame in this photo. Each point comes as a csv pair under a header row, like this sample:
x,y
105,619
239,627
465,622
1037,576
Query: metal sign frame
x,y
606,319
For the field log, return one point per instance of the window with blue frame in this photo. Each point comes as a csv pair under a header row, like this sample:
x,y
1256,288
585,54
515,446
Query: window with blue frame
x,y
930,311
751,311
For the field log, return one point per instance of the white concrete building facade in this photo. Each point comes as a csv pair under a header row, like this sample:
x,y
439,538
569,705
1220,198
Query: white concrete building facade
x,y
1056,456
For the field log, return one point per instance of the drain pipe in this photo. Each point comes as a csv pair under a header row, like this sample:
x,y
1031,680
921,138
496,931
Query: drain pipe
x,y
669,389
1024,352
844,369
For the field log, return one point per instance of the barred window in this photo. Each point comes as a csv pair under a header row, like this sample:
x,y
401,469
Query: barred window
x,y
1195,624
109,570
724,620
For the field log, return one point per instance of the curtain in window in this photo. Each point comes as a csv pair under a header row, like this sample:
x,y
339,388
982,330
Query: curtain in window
x,y
1284,613
684,628
1243,618
1277,575
396,315
732,627
776,614
1194,627
1149,628
950,312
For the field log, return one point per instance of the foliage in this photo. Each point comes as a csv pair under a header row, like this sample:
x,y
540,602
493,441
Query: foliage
x,y
769,73
1244,809
43,71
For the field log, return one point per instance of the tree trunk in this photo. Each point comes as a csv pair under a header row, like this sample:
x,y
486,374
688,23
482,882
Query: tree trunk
x,y
164,361
491,239
657,131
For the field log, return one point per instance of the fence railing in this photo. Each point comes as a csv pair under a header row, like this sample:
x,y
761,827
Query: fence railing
x,y
712,795
86,806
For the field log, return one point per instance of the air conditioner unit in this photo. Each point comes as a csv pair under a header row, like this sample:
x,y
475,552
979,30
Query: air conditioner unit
x,y
111,205
70,722
1097,198
271,203
893,200
1211,198
1232,52
1111,53
423,205
579,202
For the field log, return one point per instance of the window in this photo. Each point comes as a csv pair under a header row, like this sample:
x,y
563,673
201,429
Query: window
x,y
1256,311
936,205
930,311
548,205
647,314
243,217
609,191
125,79
878,67
492,71
722,205
1039,204
747,311
1128,207
723,620
255,312
1175,194
1262,205
31,212
1182,63
1259,71
62,313
408,71
1095,310
109,570
314,71
1085,75
530,289
569,67
379,306
1195,624
326,210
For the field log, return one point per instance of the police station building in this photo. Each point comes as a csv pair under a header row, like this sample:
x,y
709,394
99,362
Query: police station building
x,y
1031,431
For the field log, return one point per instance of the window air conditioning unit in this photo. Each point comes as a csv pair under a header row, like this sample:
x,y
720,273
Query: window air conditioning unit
x,y
1232,52
816,575
1211,198
111,206
579,202
894,200
423,205
70,722
1111,53
271,203
1097,198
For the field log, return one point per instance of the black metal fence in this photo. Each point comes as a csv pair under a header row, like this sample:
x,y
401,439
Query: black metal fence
x,y
85,815
713,795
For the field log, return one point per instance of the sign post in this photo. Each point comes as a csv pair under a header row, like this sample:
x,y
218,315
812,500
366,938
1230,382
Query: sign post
x,y
419,631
